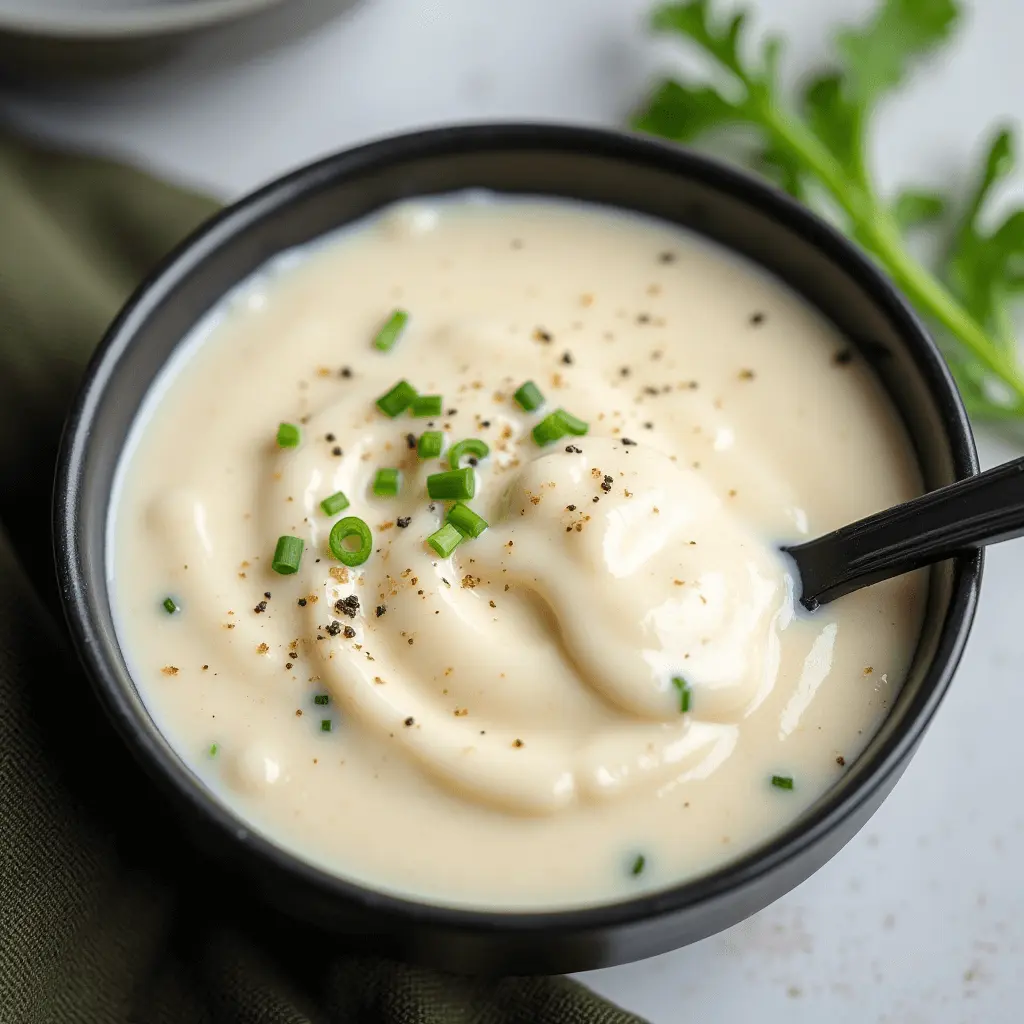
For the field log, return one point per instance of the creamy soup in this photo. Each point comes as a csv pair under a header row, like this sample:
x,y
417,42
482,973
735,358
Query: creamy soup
x,y
589,679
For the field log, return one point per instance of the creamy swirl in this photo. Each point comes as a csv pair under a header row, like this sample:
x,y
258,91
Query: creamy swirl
x,y
623,633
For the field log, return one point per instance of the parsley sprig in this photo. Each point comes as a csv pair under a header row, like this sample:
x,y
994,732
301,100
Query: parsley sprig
x,y
814,146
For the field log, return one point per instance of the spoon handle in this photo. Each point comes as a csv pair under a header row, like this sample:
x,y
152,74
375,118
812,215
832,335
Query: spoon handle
x,y
983,509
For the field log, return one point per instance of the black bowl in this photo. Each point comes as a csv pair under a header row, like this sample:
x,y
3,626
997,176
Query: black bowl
x,y
622,171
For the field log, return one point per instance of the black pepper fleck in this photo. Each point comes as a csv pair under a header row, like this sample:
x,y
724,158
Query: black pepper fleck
x,y
452,412
347,606
302,602
403,521
627,440
287,664
381,609
334,628
756,319
261,607
485,423
266,593
571,448
328,437
570,508
349,632
567,358
336,450
410,721
346,371
666,257
410,441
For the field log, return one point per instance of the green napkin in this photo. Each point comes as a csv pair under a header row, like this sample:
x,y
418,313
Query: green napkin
x,y
105,915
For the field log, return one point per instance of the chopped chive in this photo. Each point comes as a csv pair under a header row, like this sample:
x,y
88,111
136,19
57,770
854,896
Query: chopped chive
x,y
684,693
529,396
549,430
287,435
430,444
426,405
386,483
472,446
213,749
287,555
397,400
169,606
342,531
445,540
325,725
321,699
453,485
393,326
334,504
466,521
782,781
638,864
572,424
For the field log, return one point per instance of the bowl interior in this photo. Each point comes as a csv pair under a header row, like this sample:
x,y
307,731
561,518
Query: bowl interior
x,y
576,163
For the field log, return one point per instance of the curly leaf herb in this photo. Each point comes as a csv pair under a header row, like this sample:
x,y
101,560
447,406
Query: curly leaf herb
x,y
814,146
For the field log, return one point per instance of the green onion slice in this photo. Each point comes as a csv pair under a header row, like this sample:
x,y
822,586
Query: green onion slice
x,y
470,446
397,400
287,555
393,327
529,396
549,430
334,504
387,482
321,699
466,521
341,532
445,540
325,725
430,444
572,424
638,864
453,485
782,781
684,693
287,435
213,749
426,405
169,606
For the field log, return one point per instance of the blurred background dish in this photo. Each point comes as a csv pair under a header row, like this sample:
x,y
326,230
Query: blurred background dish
x,y
102,36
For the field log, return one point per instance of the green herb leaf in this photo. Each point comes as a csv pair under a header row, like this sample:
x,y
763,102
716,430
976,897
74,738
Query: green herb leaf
x,y
912,209
876,56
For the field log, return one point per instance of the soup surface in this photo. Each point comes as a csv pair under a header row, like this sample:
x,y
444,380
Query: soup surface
x,y
608,690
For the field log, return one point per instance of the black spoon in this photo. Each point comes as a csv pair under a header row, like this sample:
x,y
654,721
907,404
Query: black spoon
x,y
984,509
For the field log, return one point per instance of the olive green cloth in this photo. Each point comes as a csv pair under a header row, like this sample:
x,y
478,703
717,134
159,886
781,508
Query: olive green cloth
x,y
105,915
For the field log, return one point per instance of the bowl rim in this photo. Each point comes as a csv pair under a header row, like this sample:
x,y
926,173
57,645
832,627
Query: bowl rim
x,y
127,23
157,756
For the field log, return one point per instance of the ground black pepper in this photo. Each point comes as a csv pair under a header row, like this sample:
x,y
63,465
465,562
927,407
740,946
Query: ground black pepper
x,y
347,606
381,609
302,602
349,632
334,628
261,607
567,358
336,450
346,371
328,437
403,521
627,440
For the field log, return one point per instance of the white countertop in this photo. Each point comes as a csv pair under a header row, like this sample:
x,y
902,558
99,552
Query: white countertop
x,y
920,920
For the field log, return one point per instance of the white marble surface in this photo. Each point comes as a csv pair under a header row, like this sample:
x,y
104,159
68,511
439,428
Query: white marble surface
x,y
920,920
